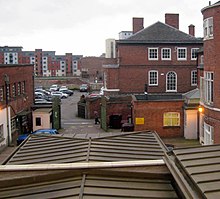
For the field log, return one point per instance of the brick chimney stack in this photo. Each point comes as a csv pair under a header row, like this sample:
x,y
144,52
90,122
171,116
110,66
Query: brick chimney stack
x,y
138,24
172,20
192,30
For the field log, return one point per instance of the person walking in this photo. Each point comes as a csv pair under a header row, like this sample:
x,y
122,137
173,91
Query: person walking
x,y
96,117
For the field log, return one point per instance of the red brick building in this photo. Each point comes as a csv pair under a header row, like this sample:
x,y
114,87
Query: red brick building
x,y
46,63
157,59
16,99
91,67
210,82
161,113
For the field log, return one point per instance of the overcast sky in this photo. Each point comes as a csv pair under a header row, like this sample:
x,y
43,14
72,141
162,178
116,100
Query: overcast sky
x,y
82,26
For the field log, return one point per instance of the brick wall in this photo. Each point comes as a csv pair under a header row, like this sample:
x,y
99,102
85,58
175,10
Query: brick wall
x,y
211,63
152,112
134,67
16,74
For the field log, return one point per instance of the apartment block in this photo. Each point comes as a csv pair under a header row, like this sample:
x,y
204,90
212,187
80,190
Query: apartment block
x,y
46,63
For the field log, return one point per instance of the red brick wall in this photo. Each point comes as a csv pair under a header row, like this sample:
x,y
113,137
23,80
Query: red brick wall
x,y
211,63
93,104
152,112
69,64
134,66
18,73
95,66
38,63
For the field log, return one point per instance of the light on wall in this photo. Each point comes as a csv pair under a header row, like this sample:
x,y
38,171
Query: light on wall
x,y
200,109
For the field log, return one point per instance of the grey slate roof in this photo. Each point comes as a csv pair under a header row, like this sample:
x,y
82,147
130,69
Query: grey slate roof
x,y
161,33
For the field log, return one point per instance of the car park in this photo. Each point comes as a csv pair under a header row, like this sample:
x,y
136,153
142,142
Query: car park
x,y
22,137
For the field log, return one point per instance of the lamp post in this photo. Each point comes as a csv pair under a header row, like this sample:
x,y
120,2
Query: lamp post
x,y
6,79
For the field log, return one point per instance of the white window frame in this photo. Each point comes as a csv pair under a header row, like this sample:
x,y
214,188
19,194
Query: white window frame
x,y
208,28
162,54
1,94
180,53
209,86
194,78
173,90
208,134
171,117
193,53
151,53
1,131
153,78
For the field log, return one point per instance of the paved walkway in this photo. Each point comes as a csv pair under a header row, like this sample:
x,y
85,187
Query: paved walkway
x,y
6,153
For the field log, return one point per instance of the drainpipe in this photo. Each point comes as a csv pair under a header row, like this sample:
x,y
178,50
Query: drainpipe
x,y
6,79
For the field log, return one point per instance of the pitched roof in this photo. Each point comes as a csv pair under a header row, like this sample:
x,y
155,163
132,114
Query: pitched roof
x,y
199,168
161,33
55,149
131,181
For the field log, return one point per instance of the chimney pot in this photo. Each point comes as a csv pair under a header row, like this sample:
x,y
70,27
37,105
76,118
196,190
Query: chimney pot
x,y
192,30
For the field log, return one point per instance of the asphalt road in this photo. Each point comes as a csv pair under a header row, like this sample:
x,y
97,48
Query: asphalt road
x,y
73,125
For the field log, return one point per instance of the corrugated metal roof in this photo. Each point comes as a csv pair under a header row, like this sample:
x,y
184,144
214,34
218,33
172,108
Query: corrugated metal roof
x,y
153,181
93,186
56,149
201,167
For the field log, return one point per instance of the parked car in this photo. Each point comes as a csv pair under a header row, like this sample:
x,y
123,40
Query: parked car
x,y
22,137
63,87
59,94
54,87
67,91
39,95
84,88
41,101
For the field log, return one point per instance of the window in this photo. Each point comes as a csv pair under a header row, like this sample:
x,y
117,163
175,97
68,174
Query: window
x,y
208,28
38,121
1,94
208,87
193,53
13,90
153,78
1,131
171,119
166,53
8,92
153,53
202,59
181,54
193,78
13,124
208,134
171,82
23,88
